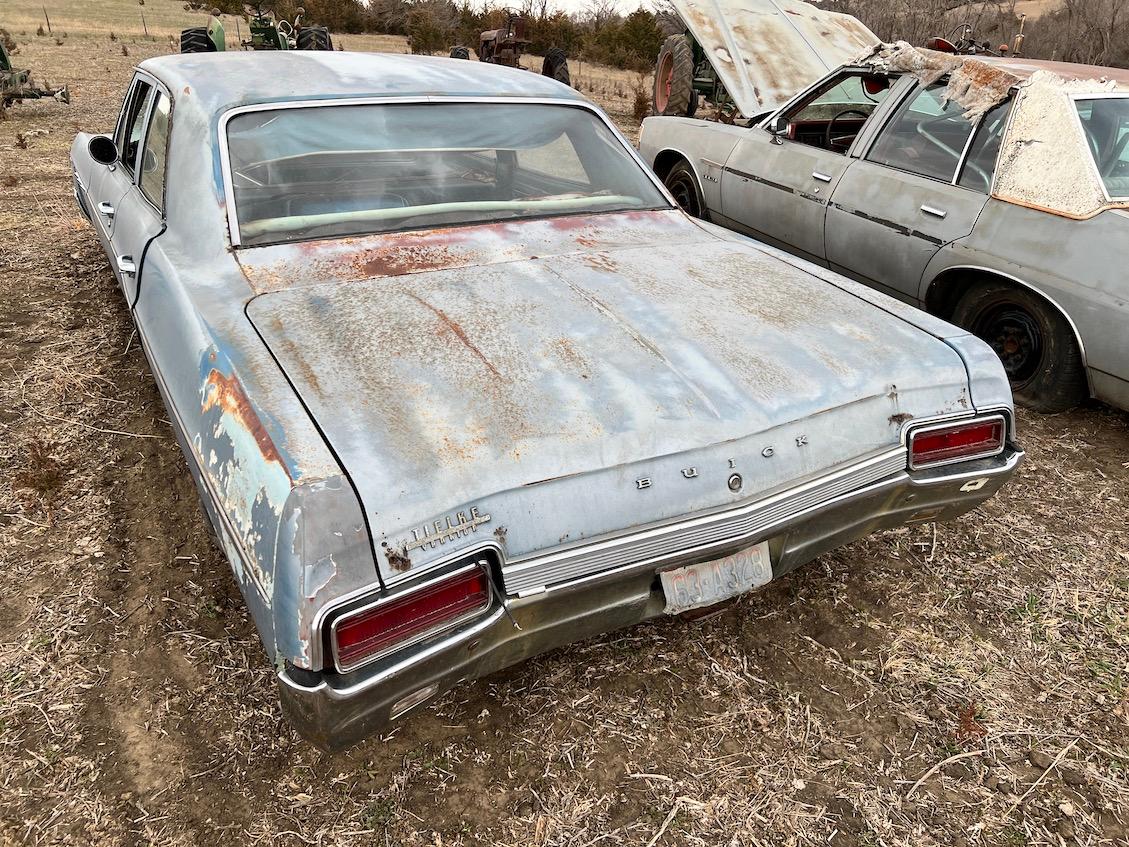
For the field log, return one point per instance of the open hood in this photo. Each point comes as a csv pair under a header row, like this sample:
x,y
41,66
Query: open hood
x,y
765,51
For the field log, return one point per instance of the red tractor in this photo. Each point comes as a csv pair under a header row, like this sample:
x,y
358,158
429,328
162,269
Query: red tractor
x,y
504,46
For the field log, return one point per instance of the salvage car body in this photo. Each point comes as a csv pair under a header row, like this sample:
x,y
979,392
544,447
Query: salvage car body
x,y
1031,197
516,422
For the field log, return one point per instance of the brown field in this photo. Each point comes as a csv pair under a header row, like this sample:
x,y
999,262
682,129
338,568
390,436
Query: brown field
x,y
959,684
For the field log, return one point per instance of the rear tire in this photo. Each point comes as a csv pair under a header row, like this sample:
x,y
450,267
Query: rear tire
x,y
1033,340
673,93
196,40
460,52
314,38
556,66
682,183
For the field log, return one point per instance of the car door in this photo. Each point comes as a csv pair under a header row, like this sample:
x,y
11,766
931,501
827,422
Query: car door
x,y
775,184
140,215
921,185
106,185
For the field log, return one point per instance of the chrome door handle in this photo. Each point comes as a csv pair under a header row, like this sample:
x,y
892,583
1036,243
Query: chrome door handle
x,y
937,213
822,177
126,266
106,209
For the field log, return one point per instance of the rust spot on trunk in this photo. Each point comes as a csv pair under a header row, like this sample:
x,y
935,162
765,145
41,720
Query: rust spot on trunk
x,y
397,559
900,418
451,325
406,259
226,393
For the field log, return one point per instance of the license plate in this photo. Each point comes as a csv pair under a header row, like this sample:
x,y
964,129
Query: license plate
x,y
707,583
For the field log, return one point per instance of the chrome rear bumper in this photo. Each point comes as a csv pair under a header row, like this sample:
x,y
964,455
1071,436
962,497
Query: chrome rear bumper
x,y
335,710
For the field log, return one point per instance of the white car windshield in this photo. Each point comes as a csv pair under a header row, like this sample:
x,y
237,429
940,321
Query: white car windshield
x,y
314,172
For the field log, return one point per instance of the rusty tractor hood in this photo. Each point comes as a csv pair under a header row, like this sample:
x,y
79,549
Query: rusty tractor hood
x,y
529,395
765,51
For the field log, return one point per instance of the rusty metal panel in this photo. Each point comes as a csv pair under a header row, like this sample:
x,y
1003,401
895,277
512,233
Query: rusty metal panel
x,y
520,403
765,51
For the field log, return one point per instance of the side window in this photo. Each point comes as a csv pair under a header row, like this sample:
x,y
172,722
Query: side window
x,y
133,122
155,153
980,164
832,115
926,136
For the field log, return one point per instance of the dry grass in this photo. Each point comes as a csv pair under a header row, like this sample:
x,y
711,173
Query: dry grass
x,y
950,685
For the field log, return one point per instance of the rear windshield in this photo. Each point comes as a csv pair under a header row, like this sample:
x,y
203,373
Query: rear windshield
x,y
303,173
1105,121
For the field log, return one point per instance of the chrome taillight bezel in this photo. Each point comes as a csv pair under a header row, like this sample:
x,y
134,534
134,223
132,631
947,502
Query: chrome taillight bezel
x,y
915,432
344,615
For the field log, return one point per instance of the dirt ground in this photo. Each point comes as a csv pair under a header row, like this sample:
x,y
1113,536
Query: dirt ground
x,y
942,685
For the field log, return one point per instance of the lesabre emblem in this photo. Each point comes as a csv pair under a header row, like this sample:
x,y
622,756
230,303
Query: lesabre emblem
x,y
440,532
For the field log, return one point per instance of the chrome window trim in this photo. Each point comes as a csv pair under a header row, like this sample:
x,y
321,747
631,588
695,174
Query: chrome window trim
x,y
915,431
225,158
419,588
1105,95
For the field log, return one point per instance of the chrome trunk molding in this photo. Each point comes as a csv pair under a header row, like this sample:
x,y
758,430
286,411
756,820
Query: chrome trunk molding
x,y
650,546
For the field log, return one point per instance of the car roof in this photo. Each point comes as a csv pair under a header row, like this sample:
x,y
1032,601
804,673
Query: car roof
x,y
1024,68
214,82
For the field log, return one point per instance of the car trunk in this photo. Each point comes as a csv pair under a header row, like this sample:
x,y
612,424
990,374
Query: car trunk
x,y
575,395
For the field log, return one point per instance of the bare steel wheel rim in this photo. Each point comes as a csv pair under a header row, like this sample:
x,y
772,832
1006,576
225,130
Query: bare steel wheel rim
x,y
685,193
1015,336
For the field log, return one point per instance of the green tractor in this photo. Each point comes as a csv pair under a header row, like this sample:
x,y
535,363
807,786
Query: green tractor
x,y
266,34
17,85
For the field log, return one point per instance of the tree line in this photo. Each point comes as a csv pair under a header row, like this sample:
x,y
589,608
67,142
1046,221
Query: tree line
x,y
1092,32
1086,31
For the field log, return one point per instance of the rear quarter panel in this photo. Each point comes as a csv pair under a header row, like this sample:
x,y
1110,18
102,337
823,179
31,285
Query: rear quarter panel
x,y
1080,265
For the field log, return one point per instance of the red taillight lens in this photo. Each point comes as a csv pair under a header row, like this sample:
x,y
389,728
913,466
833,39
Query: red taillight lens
x,y
368,633
941,445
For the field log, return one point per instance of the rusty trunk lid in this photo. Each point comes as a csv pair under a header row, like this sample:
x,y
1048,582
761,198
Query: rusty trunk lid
x,y
529,395
765,51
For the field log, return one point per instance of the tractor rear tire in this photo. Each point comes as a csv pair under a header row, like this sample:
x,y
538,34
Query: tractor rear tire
x,y
314,38
196,40
556,65
674,78
460,52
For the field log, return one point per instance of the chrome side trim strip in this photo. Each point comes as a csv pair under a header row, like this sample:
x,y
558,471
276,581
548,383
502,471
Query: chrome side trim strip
x,y
535,574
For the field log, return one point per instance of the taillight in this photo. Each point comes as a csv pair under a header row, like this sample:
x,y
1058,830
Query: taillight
x,y
376,630
941,445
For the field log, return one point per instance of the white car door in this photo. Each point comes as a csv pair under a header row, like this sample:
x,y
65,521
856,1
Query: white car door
x,y
776,185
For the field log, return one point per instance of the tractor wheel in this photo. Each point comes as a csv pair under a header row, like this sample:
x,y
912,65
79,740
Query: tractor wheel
x,y
460,52
556,65
674,77
314,38
196,40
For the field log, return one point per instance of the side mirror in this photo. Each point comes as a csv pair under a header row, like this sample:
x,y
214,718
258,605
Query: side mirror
x,y
777,126
103,150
